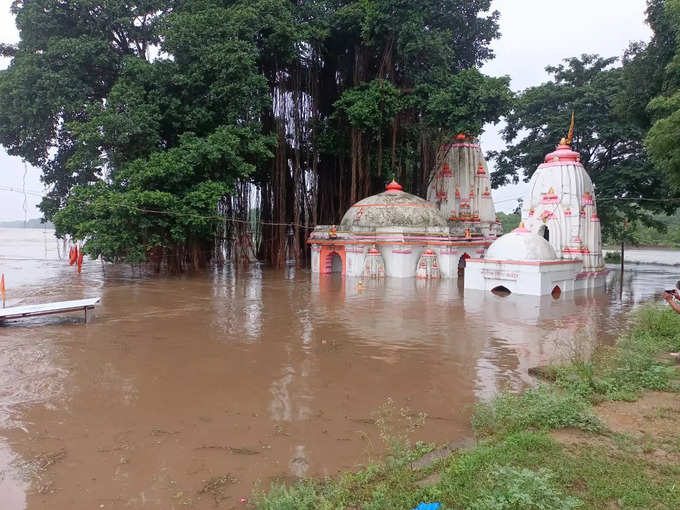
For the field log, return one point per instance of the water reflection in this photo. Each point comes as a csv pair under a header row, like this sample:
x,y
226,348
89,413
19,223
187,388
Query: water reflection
x,y
526,331
12,484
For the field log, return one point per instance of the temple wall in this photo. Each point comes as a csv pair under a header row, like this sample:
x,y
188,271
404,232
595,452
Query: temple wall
x,y
572,220
316,255
459,173
400,260
534,279
355,256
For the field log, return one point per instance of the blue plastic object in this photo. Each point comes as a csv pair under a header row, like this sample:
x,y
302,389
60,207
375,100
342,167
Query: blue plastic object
x,y
428,506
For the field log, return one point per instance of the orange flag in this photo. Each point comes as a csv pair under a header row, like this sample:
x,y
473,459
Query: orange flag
x,y
2,287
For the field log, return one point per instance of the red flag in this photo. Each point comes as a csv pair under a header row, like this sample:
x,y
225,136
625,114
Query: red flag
x,y
80,261
2,287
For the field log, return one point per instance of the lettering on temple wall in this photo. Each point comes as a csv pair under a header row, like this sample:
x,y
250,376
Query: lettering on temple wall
x,y
500,275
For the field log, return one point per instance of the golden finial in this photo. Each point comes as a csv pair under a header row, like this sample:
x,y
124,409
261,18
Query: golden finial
x,y
570,136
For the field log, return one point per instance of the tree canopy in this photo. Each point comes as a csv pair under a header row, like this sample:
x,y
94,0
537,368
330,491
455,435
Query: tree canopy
x,y
613,101
164,125
664,109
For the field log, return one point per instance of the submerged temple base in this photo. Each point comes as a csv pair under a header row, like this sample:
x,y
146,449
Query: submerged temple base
x,y
530,278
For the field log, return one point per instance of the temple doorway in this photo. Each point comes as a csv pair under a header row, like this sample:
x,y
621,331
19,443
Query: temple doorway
x,y
332,259
544,232
336,263
461,264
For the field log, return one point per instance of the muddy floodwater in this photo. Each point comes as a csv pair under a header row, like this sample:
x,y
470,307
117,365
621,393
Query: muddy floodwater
x,y
186,391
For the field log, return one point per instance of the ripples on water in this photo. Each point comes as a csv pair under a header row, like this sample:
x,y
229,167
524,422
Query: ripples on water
x,y
293,366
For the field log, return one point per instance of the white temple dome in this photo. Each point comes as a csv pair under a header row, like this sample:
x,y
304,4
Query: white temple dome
x,y
393,208
521,245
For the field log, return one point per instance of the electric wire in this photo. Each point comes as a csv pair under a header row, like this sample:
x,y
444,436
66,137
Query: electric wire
x,y
217,217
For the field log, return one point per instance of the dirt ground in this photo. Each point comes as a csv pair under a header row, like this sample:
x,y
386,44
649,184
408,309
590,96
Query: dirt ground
x,y
649,426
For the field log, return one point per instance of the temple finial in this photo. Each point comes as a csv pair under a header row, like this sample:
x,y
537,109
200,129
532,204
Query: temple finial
x,y
570,137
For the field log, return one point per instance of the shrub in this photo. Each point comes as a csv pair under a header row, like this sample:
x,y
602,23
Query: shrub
x,y
523,489
613,257
542,408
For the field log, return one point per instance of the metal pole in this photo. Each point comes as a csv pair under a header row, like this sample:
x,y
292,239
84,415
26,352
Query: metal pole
x,y
621,279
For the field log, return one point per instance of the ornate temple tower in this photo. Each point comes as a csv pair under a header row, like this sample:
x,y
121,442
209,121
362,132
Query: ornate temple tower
x,y
460,189
561,207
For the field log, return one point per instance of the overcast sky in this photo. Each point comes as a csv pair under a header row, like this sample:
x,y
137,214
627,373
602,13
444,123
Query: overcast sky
x,y
534,34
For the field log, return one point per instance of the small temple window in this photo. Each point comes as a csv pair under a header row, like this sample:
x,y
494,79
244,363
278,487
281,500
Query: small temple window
x,y
544,232
556,292
501,291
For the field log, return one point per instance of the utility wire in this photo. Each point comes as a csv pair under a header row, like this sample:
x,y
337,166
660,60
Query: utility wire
x,y
291,224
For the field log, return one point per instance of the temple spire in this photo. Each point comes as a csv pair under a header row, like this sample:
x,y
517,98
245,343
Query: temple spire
x,y
570,136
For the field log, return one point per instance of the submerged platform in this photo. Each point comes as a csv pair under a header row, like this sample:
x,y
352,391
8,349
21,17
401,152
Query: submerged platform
x,y
21,312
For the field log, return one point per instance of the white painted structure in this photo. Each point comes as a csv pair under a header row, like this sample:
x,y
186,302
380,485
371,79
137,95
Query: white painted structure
x,y
558,246
25,311
523,263
561,207
392,234
401,235
460,189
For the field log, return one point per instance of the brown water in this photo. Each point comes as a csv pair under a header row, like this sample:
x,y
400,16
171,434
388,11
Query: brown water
x,y
185,391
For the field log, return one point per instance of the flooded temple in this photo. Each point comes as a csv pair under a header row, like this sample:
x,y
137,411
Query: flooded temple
x,y
558,245
398,234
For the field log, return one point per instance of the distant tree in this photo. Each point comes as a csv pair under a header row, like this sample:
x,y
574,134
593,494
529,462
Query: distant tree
x,y
608,137
663,139
509,221
66,63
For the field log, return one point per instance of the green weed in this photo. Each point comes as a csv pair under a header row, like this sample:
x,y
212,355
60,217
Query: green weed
x,y
544,408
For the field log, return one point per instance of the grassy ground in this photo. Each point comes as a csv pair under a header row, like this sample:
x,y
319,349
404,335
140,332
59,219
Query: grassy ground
x,y
594,437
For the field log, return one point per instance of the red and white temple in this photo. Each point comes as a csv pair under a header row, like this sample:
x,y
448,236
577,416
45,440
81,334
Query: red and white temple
x,y
398,234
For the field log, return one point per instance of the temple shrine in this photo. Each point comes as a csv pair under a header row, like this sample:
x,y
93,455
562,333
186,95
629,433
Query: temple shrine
x,y
398,234
558,245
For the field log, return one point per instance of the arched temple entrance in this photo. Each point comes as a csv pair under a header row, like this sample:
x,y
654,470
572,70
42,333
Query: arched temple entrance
x,y
332,259
336,263
544,232
501,291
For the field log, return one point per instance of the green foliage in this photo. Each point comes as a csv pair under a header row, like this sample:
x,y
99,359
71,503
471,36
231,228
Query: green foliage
x,y
83,99
542,408
372,106
622,372
65,65
509,221
612,257
661,141
121,222
663,231
523,489
468,100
